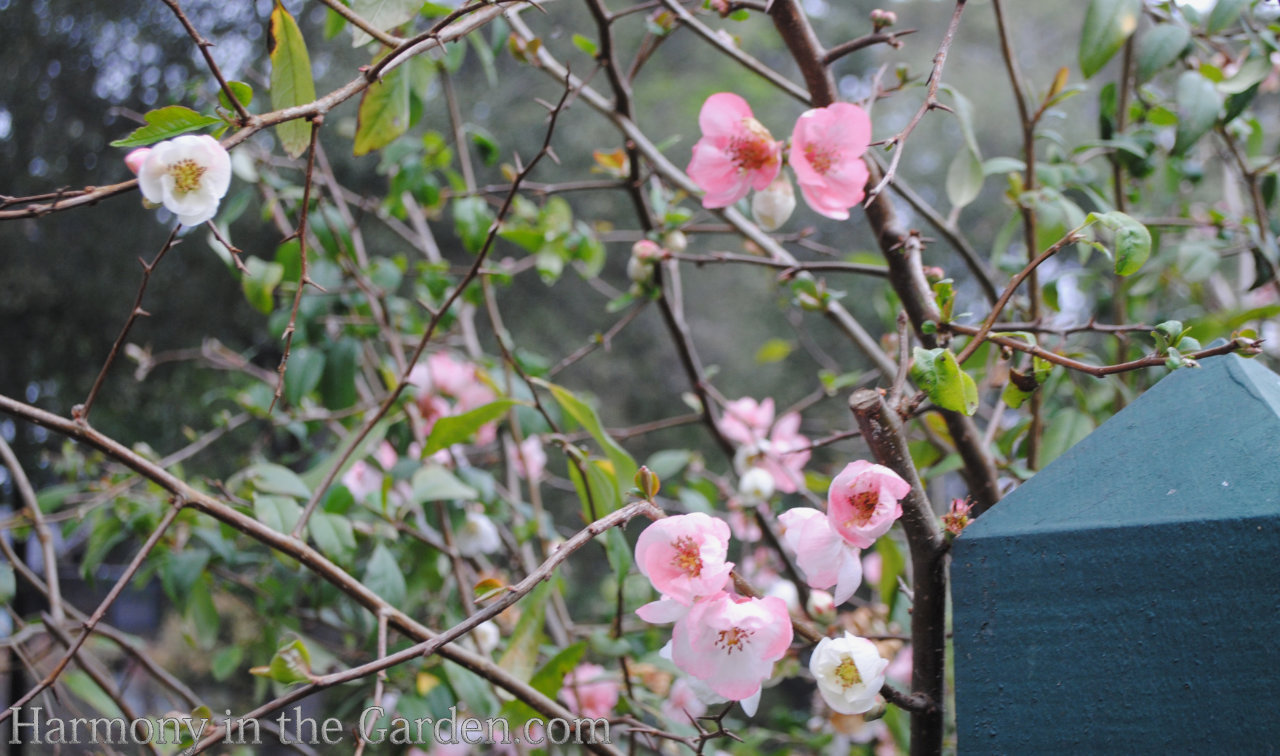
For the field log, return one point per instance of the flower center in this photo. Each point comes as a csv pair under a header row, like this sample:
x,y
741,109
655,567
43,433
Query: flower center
x,y
186,175
733,639
820,158
753,148
847,673
864,508
688,556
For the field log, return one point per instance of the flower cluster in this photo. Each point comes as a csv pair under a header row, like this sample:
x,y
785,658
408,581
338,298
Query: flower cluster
x,y
862,504
778,447
728,642
737,154
188,175
448,386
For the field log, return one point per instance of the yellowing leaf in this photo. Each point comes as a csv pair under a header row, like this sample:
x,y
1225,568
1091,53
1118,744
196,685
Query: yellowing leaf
x,y
384,111
291,81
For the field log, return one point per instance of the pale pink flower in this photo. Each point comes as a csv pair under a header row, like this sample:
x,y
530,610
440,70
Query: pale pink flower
x,y
825,558
786,454
773,206
136,159
863,502
362,479
826,154
746,421
731,642
849,671
449,375
188,175
386,455
682,702
684,556
742,523
590,691
872,564
531,459
899,670
735,154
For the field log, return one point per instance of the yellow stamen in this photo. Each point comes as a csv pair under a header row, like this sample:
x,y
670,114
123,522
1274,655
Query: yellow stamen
x,y
733,639
186,175
847,673
688,556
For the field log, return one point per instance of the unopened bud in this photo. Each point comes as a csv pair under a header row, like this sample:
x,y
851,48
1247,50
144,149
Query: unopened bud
x,y
136,158
773,206
644,254
648,483
756,485
821,606
881,18
675,241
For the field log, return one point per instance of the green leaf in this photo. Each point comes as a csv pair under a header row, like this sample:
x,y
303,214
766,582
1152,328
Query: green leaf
x,y
1132,240
1066,428
471,219
338,384
277,479
181,570
242,91
1107,24
456,429
547,680
892,564
302,373
291,664
226,662
773,350
1160,46
384,112
166,123
434,483
521,656
1224,14
381,15
1198,104
315,475
624,467
586,45
618,552
964,178
1254,69
470,688
202,615
334,535
280,513
260,283
88,691
383,576
291,80
938,374
8,586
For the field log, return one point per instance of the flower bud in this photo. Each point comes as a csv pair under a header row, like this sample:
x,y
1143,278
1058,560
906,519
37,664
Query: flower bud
x,y
881,18
648,483
821,606
136,158
644,254
772,206
675,241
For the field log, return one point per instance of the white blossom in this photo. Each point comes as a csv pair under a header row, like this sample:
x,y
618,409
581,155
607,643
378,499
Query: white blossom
x,y
849,671
478,535
188,175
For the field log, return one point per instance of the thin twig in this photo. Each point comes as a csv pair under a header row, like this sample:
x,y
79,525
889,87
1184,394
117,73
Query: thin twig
x,y
28,496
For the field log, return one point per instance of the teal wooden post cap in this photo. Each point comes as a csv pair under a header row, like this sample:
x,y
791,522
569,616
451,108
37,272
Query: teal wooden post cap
x,y
1126,599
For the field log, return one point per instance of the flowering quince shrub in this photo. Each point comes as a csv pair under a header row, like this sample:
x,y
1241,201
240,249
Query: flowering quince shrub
x,y
553,410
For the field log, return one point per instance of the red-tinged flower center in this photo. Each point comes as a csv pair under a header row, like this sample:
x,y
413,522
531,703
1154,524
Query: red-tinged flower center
x,y
864,508
753,148
733,639
847,673
821,158
186,175
688,558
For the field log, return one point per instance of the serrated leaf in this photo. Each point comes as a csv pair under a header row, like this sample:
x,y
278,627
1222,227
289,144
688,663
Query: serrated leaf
x,y
1198,104
1160,46
773,350
384,112
291,80
434,483
964,178
938,374
1107,24
166,123
383,576
456,429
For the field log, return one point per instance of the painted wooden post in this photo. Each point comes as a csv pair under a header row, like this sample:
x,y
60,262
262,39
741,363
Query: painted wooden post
x,y
1126,599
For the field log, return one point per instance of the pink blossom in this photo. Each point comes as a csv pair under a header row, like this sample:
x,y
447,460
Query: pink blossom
x,y
957,517
863,502
899,670
449,375
787,453
684,556
136,159
731,642
825,558
746,421
589,691
530,460
735,154
872,565
386,455
682,702
362,479
826,154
